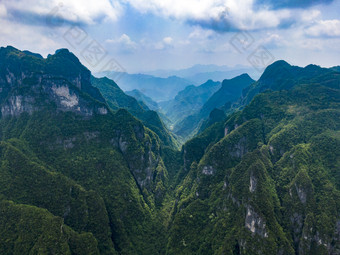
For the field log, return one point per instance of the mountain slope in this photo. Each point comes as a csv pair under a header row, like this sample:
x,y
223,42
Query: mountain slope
x,y
159,89
117,99
65,151
189,100
77,177
229,92
269,184
280,76
143,99
47,233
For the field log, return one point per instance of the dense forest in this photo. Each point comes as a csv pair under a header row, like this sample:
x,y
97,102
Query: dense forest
x,y
252,167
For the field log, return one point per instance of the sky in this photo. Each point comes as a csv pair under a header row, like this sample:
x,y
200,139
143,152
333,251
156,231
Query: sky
x,y
144,35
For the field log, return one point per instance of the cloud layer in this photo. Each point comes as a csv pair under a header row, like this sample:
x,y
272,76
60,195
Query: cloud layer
x,y
324,28
38,12
173,33
220,15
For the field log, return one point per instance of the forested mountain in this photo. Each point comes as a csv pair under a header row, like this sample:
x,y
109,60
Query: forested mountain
x,y
229,92
143,99
198,74
117,99
159,89
83,171
267,180
189,101
81,178
281,75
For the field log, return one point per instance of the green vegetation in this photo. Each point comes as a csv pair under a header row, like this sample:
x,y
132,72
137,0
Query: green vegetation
x,y
271,184
117,99
189,101
228,93
80,175
28,229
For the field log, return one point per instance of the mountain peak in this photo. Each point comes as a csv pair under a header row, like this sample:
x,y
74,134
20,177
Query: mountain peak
x,y
312,67
62,50
244,76
241,78
37,55
9,48
277,65
278,68
66,54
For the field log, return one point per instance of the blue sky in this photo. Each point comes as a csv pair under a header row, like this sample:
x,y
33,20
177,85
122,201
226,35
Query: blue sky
x,y
142,35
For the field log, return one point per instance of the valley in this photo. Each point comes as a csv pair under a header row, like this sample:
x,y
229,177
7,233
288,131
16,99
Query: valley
x,y
248,167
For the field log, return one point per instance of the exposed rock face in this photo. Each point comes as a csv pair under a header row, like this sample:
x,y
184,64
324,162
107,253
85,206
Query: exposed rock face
x,y
301,194
311,236
297,222
255,223
102,110
335,249
253,183
240,148
29,87
62,83
18,104
226,131
123,144
145,164
66,98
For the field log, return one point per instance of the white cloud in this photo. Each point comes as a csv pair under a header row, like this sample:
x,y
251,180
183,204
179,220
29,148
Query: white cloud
x,y
73,10
3,11
273,40
201,34
22,36
324,28
124,43
166,43
168,40
308,16
239,14
311,45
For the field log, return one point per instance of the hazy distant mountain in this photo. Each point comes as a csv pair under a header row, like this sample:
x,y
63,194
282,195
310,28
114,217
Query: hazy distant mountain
x,y
189,101
230,92
159,89
117,99
143,99
147,103
198,74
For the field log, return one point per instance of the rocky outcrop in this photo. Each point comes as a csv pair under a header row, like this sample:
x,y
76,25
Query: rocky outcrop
x,y
253,183
29,83
254,223
18,104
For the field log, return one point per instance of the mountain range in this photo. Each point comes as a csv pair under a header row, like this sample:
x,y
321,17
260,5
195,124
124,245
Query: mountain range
x,y
159,89
227,93
199,74
87,169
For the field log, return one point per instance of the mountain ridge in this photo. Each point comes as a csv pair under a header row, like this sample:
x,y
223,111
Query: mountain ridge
x,y
85,176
